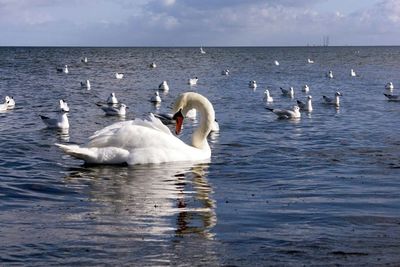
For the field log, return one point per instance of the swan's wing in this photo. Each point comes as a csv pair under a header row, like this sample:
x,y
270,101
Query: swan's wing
x,y
129,133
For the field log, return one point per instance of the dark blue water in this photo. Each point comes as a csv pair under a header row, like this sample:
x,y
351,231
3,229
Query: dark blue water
x,y
322,190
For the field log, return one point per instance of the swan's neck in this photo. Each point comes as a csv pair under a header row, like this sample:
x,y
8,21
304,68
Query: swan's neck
x,y
207,118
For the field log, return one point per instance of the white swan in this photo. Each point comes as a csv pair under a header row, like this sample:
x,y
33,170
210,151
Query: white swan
x,y
193,81
164,86
86,84
286,113
389,86
64,105
112,99
305,88
353,73
155,98
115,111
119,75
253,84
289,93
306,106
333,101
149,141
267,97
329,74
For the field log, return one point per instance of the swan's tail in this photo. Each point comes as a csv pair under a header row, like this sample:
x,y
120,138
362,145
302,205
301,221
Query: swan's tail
x,y
78,152
94,155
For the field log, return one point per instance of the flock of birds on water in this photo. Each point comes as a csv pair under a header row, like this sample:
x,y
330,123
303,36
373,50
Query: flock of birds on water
x,y
151,141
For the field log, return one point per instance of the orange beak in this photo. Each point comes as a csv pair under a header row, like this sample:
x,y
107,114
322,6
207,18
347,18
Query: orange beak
x,y
178,117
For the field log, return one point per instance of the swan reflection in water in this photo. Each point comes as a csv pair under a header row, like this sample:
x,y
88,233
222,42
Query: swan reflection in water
x,y
150,201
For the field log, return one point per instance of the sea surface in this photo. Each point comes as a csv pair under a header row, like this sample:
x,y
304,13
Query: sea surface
x,y
323,190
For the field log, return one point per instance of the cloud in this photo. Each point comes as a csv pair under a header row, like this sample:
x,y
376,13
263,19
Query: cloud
x,y
193,22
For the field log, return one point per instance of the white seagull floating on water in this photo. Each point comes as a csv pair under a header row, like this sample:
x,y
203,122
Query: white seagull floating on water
x,y
155,98
193,81
389,86
289,93
276,62
333,101
8,104
306,106
64,69
61,121
329,74
353,73
225,72
112,99
86,84
286,113
119,75
267,97
149,141
253,84
163,86
115,111
310,61
305,88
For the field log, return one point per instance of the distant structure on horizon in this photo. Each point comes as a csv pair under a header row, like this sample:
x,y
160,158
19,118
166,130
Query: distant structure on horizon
x,y
325,40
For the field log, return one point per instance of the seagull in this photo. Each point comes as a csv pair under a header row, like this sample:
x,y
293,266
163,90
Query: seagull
x,y
332,101
253,84
193,81
276,63
153,65
267,97
155,98
389,86
393,97
225,72
61,121
86,84
119,75
310,61
84,60
64,105
286,113
289,93
112,100
65,69
4,106
115,111
9,100
163,86
305,88
305,106
353,73
329,74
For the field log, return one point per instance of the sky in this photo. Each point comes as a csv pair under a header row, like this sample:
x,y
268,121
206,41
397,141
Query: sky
x,y
198,22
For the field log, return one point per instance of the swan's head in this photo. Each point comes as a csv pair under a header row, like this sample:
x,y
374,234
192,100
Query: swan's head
x,y
188,101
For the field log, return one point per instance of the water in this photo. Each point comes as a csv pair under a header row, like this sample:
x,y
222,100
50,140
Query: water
x,y
319,191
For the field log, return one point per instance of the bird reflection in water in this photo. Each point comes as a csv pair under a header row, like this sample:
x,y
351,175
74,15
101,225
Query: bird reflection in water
x,y
150,201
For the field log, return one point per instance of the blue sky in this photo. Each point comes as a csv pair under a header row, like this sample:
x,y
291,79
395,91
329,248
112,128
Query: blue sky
x,y
198,22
